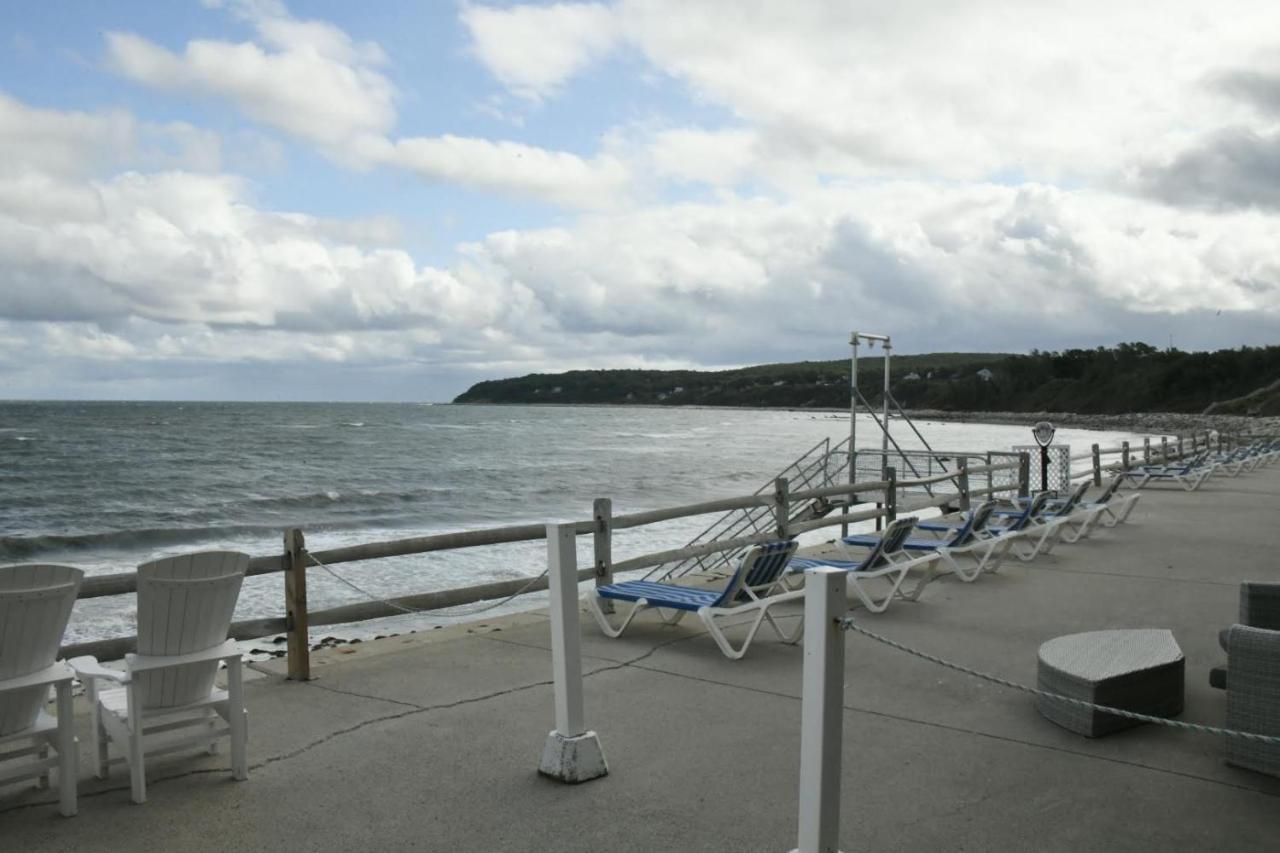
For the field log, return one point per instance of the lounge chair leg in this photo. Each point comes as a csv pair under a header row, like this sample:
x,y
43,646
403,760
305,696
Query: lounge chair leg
x,y
137,760
239,720
68,755
593,604
705,614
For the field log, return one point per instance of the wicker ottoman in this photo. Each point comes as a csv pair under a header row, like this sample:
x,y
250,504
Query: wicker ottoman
x,y
1138,670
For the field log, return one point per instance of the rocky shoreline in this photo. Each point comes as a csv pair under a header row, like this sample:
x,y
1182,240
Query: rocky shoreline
x,y
1160,423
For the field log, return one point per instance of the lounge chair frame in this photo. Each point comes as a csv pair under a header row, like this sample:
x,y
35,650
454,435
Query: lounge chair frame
x,y
754,588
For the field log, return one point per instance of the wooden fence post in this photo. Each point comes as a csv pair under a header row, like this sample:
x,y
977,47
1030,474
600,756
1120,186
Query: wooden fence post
x,y
602,509
1097,466
781,506
962,482
1180,453
1146,451
1024,474
1124,455
1164,450
295,605
891,493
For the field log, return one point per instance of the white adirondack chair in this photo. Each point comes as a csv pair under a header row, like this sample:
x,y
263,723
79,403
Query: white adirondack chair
x,y
166,699
35,604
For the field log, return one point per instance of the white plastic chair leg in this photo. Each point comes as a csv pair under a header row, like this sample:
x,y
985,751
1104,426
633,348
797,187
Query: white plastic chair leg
x,y
239,721
137,755
593,604
68,755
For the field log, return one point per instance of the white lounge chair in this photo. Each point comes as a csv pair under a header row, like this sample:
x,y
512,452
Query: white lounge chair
x,y
987,543
166,699
1190,476
1110,507
35,604
753,588
888,559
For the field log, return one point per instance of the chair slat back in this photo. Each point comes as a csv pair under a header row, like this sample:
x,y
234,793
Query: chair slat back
x,y
890,543
1113,485
185,605
973,525
1030,513
35,605
1077,495
759,569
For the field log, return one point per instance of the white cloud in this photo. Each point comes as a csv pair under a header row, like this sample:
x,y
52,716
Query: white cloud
x,y
534,50
514,168
956,90
314,82
317,83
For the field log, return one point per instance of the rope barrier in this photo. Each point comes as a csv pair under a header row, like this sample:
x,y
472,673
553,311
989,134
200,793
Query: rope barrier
x,y
444,611
848,624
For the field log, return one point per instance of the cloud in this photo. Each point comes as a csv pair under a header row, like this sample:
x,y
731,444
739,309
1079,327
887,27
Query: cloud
x,y
1230,168
315,86
532,50
512,168
1260,88
311,80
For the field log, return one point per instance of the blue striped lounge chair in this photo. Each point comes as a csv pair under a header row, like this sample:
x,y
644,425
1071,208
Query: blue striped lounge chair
x,y
1059,519
888,560
754,587
1190,476
1034,529
1001,538
1109,508
965,539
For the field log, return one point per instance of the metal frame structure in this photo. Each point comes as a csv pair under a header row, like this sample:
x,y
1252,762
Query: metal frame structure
x,y
854,395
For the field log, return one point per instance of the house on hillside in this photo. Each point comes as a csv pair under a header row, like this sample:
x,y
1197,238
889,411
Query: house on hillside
x,y
985,375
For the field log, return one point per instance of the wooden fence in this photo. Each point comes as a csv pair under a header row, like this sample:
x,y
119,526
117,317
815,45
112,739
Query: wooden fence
x,y
882,498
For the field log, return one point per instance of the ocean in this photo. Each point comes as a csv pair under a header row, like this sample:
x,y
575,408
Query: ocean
x,y
107,485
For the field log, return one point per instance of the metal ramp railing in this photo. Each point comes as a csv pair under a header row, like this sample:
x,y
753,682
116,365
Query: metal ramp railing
x,y
821,465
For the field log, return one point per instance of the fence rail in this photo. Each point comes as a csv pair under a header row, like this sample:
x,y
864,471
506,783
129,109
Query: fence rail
x,y
892,494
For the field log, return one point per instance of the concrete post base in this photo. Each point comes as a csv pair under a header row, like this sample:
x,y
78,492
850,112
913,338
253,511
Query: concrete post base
x,y
573,759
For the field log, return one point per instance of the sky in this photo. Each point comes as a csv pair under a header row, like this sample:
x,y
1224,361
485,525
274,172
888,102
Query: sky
x,y
243,199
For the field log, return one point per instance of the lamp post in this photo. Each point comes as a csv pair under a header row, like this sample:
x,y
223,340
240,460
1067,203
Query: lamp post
x,y
1043,433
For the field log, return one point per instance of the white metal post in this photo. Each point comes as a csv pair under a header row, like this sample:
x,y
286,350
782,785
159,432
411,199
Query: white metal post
x,y
884,439
853,408
571,753
822,711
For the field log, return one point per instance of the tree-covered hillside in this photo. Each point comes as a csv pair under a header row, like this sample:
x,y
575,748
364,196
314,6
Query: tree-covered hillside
x,y
1133,377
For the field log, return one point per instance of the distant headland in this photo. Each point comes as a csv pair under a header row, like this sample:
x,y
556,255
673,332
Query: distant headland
x,y
1114,382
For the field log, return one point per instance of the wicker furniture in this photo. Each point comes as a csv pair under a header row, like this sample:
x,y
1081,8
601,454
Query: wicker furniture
x,y
1138,670
1252,677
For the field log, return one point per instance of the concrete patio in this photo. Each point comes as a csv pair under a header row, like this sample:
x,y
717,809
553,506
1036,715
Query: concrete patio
x,y
430,742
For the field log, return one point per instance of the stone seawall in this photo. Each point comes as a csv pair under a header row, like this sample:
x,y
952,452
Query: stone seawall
x,y
1167,423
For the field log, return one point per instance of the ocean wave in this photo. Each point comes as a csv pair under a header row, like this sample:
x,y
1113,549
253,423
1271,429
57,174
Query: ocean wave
x,y
331,497
26,547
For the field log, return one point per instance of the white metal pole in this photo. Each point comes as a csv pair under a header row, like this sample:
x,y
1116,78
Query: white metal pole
x,y
571,753
822,711
884,439
566,639
853,408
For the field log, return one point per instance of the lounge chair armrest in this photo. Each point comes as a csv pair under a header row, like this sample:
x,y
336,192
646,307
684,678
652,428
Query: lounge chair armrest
x,y
51,674
88,667
143,663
